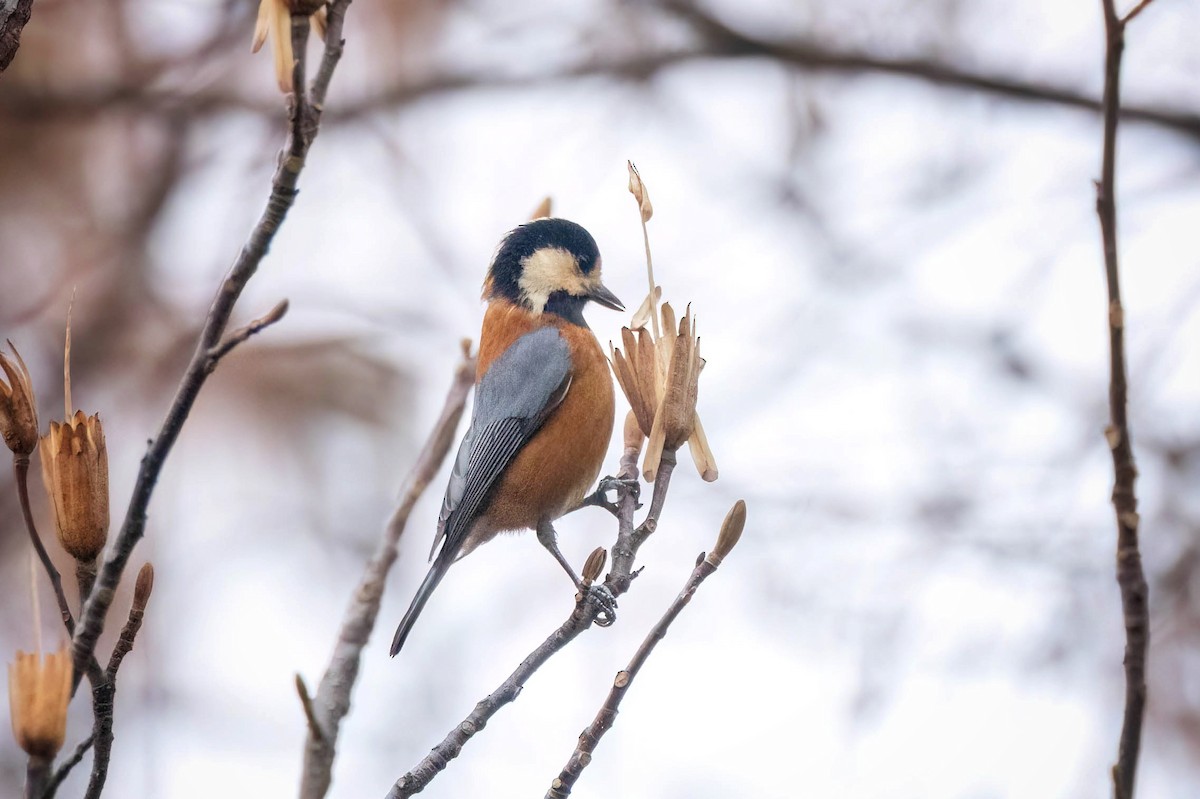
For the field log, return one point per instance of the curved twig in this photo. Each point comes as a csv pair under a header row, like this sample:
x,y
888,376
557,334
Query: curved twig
x,y
305,121
1130,575
332,702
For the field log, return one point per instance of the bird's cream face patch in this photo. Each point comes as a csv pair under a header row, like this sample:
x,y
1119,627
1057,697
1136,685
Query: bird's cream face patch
x,y
551,269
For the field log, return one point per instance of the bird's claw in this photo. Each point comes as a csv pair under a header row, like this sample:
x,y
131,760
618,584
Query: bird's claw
x,y
630,485
607,603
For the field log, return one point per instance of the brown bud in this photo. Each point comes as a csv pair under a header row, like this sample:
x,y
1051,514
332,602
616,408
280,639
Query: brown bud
x,y
39,689
594,564
18,409
731,533
75,473
143,587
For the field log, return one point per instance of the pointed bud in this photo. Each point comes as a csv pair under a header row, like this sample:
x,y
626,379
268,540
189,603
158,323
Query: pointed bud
x,y
731,533
143,587
18,409
594,565
75,473
39,689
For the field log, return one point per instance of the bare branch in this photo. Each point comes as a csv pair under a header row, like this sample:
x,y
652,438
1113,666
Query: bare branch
x,y
238,336
561,787
65,767
718,42
1130,575
14,15
333,694
310,715
282,195
104,693
585,613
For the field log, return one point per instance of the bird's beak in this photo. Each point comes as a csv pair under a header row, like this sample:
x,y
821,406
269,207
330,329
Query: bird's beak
x,y
602,295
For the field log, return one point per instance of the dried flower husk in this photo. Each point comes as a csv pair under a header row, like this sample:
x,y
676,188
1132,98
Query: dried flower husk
x,y
75,473
39,689
675,417
638,374
18,408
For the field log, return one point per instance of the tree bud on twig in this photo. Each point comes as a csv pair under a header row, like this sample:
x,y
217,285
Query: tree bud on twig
x,y
731,533
594,565
75,472
18,410
39,688
143,587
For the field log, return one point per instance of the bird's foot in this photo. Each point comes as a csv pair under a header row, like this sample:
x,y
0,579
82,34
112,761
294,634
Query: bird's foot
x,y
599,497
606,603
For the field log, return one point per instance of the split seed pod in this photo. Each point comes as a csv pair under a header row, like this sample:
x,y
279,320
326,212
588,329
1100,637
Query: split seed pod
x,y
75,473
18,409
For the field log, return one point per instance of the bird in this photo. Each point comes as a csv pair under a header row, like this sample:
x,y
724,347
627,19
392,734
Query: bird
x,y
544,403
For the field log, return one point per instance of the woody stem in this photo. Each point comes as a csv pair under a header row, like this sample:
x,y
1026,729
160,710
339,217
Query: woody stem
x,y
37,776
21,468
85,576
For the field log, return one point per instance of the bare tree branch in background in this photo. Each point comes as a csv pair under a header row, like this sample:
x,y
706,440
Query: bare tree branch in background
x,y
304,116
717,41
14,15
1130,575
332,702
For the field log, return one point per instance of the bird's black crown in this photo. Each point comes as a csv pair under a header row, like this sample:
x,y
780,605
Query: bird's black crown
x,y
522,242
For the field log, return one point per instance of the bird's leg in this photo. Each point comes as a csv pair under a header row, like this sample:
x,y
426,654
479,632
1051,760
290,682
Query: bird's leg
x,y
599,497
608,603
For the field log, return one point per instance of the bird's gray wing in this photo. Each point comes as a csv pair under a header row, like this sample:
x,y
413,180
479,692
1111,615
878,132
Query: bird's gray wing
x,y
516,395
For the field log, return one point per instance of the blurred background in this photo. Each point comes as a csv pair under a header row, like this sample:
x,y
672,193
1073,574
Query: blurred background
x,y
883,214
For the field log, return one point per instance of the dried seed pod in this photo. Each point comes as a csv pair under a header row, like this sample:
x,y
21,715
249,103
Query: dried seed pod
x,y
75,473
39,688
18,408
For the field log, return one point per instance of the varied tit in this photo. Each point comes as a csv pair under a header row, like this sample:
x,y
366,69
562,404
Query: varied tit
x,y
543,401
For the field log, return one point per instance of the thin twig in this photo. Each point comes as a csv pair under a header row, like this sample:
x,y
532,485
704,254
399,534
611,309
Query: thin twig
x,y
21,467
585,612
718,43
1130,575
238,336
561,786
1133,12
315,732
65,767
104,694
282,196
587,609
333,694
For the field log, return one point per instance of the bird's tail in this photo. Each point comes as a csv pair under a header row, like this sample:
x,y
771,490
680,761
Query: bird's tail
x,y
436,572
